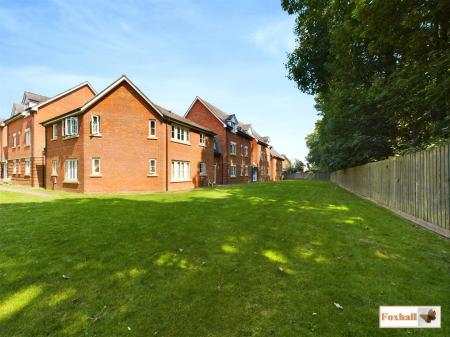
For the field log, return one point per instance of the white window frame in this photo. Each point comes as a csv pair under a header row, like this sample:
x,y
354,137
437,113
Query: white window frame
x,y
70,127
27,167
152,168
95,125
181,171
233,148
202,139
242,170
27,137
54,168
55,131
246,170
71,171
246,151
233,171
19,171
14,140
202,169
180,134
93,171
14,167
152,128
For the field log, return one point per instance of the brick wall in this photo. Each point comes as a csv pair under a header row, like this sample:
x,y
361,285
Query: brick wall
x,y
125,148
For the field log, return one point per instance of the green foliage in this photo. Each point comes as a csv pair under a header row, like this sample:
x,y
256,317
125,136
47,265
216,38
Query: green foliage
x,y
250,260
379,71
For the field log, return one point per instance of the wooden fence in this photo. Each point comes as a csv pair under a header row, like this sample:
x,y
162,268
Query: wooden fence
x,y
416,186
308,176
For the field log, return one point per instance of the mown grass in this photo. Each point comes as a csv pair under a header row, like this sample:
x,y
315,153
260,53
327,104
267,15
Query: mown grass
x,y
253,260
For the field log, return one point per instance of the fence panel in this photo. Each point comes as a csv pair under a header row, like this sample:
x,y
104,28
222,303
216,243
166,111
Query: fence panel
x,y
416,186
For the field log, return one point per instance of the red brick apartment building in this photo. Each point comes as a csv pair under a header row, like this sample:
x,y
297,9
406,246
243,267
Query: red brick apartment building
x,y
243,156
118,140
23,138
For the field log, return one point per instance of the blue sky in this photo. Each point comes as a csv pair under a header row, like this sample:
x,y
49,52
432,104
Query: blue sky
x,y
231,53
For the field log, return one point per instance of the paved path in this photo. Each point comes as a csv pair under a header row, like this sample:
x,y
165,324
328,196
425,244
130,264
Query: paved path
x,y
27,191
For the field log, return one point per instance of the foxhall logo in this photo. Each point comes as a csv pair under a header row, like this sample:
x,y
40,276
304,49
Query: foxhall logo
x,y
410,317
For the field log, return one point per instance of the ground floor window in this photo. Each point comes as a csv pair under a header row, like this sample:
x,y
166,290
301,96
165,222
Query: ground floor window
x,y
71,170
246,170
54,168
27,167
203,169
181,171
96,166
152,167
232,170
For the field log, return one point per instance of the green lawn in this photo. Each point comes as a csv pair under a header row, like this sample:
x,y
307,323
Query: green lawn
x,y
253,260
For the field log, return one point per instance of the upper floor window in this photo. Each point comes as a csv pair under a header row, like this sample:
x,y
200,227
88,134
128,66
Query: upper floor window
x,y
180,134
245,151
152,167
95,125
152,128
14,140
55,131
202,139
70,126
71,173
203,169
27,137
233,148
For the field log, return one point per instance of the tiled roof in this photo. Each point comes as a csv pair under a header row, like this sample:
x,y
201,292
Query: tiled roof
x,y
215,110
17,108
169,114
275,154
31,96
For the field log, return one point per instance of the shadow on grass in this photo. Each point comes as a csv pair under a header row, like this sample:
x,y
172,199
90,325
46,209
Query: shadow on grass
x,y
249,260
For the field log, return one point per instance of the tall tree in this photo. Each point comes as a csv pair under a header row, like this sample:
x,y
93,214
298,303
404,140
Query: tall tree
x,y
379,71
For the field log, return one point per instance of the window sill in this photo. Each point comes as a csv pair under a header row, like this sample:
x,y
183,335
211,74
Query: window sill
x,y
96,176
99,135
53,139
232,154
180,142
202,145
233,176
71,182
203,174
181,181
27,145
27,175
152,175
152,137
71,137
54,176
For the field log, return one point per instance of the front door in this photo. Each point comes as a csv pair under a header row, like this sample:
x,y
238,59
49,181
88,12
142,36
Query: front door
x,y
255,174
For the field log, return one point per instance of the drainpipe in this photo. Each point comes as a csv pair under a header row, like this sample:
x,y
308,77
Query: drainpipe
x,y
32,149
167,158
225,152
